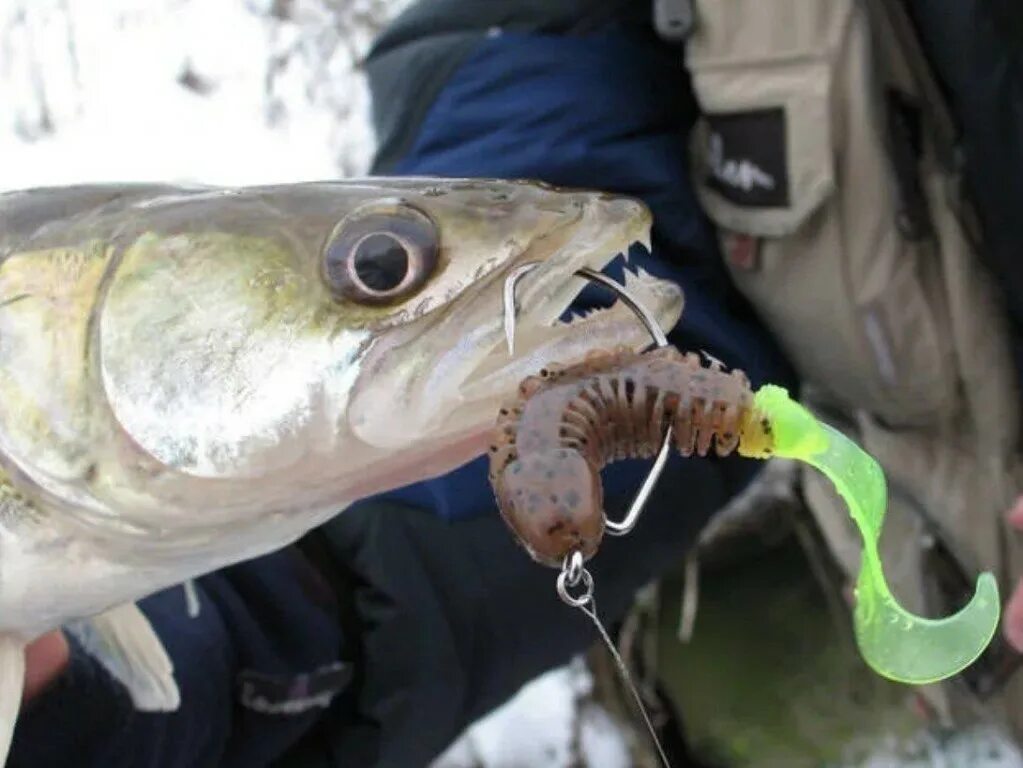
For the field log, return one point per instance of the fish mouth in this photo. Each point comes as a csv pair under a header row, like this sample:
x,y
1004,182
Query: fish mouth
x,y
461,370
547,329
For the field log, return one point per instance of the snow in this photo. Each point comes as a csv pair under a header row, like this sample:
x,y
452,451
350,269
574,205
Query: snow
x,y
550,722
264,91
214,91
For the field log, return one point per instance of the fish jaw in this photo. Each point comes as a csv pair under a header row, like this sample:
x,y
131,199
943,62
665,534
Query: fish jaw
x,y
428,401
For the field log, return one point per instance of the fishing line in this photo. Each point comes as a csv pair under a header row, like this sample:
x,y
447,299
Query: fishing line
x,y
572,573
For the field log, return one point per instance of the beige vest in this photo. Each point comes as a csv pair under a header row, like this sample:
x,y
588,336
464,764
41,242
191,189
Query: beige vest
x,y
868,277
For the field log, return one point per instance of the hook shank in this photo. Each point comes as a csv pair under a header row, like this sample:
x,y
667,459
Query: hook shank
x,y
614,528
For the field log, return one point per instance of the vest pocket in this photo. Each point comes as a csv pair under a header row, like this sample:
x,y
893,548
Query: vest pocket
x,y
789,160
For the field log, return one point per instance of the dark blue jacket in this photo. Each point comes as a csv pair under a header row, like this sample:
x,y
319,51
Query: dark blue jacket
x,y
432,610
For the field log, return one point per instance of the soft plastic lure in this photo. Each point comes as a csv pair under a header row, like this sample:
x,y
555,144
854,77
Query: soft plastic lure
x,y
552,441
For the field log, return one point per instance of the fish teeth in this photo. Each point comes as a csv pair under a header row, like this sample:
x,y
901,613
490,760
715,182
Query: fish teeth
x,y
642,276
633,275
581,315
643,285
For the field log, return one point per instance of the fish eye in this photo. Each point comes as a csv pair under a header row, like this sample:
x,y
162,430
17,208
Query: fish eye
x,y
380,253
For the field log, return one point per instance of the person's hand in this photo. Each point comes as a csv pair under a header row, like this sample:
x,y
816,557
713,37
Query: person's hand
x,y
45,658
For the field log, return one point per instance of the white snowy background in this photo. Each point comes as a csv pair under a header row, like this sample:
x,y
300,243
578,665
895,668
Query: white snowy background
x,y
246,92
216,91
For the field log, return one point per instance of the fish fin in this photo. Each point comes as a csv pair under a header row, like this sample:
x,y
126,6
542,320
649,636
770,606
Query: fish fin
x,y
12,683
123,641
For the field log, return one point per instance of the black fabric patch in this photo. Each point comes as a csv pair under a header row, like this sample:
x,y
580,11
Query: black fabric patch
x,y
747,158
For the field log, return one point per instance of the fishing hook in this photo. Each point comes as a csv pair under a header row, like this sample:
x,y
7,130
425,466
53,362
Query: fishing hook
x,y
660,340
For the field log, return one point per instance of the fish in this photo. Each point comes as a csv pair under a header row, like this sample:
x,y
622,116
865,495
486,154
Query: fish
x,y
193,376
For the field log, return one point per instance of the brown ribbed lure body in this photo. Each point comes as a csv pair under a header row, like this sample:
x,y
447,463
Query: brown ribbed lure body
x,y
567,423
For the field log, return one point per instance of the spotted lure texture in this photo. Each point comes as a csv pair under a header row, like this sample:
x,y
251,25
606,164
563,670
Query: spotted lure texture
x,y
567,423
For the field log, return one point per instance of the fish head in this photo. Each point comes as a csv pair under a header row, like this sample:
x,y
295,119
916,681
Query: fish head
x,y
314,338
431,385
